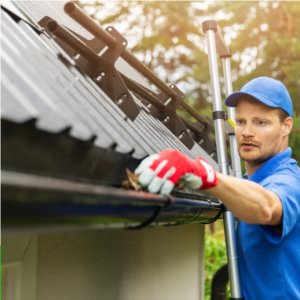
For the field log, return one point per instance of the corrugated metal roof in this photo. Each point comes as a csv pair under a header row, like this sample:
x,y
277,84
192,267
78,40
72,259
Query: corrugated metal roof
x,y
41,82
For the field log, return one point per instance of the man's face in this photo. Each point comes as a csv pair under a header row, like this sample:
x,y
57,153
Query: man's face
x,y
258,131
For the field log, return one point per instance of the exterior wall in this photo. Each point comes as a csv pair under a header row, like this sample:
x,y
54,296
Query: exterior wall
x,y
157,263
18,268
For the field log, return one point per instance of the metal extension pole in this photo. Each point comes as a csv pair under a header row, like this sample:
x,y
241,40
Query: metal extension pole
x,y
235,158
209,28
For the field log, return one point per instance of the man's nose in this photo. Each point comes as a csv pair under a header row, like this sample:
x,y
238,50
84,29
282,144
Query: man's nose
x,y
248,131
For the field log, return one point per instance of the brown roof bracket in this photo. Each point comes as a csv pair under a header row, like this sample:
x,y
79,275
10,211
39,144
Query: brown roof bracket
x,y
170,118
100,67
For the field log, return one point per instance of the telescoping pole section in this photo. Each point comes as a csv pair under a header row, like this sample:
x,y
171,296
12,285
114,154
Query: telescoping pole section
x,y
235,158
210,29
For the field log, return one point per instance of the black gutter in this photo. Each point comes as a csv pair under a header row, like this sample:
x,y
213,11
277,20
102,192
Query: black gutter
x,y
37,204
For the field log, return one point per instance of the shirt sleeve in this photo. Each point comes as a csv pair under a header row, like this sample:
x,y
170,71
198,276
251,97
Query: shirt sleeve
x,y
288,190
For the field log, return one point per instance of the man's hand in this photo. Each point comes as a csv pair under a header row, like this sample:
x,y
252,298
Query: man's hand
x,y
160,172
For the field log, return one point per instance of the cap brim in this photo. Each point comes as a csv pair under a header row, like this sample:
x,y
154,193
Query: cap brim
x,y
233,99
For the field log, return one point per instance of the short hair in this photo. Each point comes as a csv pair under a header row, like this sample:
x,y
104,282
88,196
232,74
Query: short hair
x,y
281,113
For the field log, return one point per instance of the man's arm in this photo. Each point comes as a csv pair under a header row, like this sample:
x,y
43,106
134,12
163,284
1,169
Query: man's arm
x,y
248,201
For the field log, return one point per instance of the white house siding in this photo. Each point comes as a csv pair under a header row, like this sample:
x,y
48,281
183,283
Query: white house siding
x,y
157,263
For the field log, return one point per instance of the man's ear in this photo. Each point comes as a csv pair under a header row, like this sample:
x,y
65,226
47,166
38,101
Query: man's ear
x,y
288,125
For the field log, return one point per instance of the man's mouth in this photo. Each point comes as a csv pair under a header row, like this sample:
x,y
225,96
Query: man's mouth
x,y
248,145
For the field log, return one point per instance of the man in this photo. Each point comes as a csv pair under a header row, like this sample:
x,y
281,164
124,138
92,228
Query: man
x,y
267,204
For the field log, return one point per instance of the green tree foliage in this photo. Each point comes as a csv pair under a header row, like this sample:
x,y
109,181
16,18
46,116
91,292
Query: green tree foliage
x,y
215,257
268,32
294,140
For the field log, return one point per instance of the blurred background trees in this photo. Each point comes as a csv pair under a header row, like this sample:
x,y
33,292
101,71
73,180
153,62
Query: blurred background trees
x,y
167,37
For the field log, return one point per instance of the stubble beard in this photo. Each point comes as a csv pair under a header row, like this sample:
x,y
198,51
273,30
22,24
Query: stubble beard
x,y
259,154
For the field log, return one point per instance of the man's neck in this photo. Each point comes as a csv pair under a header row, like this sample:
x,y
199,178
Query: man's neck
x,y
252,167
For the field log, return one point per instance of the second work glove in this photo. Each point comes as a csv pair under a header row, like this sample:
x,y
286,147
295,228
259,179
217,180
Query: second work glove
x,y
160,172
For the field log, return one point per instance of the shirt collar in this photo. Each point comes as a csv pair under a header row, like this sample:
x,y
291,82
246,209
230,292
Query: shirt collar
x,y
270,166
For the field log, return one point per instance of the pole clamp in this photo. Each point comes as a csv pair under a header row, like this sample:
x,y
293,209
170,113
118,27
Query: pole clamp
x,y
227,55
219,114
224,208
209,25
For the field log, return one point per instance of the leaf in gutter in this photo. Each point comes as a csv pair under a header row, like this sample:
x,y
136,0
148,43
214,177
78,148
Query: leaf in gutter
x,y
132,182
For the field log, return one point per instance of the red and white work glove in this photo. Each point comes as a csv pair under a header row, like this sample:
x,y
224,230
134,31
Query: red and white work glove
x,y
160,172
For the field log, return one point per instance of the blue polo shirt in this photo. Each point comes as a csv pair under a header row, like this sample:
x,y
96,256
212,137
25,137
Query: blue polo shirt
x,y
269,262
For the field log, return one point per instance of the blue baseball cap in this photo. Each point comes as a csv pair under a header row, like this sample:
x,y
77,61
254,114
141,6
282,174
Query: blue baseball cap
x,y
267,90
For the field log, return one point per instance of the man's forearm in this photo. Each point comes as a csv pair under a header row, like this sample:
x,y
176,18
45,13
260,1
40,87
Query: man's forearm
x,y
247,200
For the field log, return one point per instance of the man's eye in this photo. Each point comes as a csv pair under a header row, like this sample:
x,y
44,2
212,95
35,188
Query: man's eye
x,y
261,123
240,122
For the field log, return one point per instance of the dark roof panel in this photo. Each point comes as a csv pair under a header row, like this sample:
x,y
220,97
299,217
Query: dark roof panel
x,y
59,95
